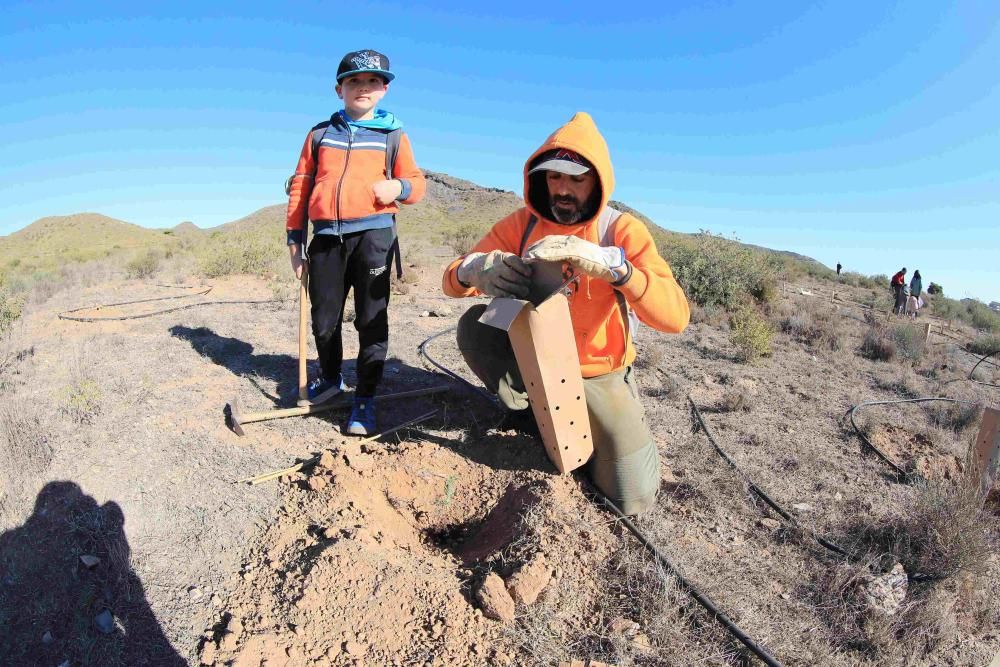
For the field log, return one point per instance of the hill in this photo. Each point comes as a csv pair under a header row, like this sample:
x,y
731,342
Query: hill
x,y
49,243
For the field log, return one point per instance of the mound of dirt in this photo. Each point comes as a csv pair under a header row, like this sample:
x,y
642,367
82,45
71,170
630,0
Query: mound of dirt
x,y
375,559
915,452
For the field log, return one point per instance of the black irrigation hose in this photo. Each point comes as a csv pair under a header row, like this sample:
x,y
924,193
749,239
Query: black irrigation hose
x,y
689,588
422,351
822,541
882,455
760,493
981,361
700,598
66,315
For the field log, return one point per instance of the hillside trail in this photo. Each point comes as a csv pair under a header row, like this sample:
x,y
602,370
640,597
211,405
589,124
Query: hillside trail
x,y
375,555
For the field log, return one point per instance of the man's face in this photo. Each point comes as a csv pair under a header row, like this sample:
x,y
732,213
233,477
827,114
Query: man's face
x,y
568,195
361,93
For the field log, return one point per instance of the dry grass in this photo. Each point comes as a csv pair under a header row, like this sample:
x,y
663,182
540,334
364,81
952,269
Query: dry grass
x,y
24,450
942,532
815,324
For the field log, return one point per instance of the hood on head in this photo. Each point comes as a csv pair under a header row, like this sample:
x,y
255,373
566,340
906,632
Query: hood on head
x,y
581,135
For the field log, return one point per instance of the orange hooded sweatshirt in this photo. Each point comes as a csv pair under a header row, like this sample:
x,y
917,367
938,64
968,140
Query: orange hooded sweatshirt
x,y
602,337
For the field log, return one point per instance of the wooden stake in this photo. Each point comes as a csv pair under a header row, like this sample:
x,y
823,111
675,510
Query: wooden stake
x,y
987,452
303,319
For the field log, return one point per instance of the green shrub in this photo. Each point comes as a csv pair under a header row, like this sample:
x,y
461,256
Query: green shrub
x,y
11,308
986,344
716,271
751,334
241,254
935,289
83,401
144,265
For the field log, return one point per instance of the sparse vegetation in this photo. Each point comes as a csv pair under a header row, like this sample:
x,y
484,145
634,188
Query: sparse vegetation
x,y
751,334
462,238
972,312
11,308
143,265
986,344
83,400
817,327
909,340
253,254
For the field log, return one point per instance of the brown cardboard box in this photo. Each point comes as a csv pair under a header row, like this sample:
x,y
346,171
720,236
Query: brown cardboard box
x,y
543,342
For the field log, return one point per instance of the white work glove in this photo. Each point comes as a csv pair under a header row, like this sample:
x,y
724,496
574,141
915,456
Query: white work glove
x,y
607,263
496,273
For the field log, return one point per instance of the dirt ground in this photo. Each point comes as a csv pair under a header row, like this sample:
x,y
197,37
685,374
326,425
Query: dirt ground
x,y
378,554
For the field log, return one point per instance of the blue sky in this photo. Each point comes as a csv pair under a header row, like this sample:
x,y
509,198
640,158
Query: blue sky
x,y
861,132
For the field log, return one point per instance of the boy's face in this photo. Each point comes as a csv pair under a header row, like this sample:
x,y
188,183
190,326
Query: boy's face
x,y
568,195
361,93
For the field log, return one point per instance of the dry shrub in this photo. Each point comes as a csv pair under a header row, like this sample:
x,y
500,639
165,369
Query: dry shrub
x,y
941,532
817,327
909,340
462,238
24,448
144,265
737,399
650,355
667,387
878,343
241,254
751,334
985,344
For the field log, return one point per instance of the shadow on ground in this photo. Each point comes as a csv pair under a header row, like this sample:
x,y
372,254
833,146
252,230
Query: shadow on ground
x,y
56,610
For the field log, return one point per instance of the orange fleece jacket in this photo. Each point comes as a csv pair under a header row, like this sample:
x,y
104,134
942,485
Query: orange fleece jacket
x,y
600,332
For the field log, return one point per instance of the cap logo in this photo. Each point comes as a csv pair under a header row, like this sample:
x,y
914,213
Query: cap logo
x,y
564,154
367,60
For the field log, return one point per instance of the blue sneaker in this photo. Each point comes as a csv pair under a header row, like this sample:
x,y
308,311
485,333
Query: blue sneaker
x,y
362,420
322,390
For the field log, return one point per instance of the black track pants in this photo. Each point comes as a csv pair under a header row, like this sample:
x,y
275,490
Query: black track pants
x,y
359,260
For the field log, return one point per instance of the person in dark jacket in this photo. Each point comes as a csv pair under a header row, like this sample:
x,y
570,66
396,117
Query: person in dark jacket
x,y
916,285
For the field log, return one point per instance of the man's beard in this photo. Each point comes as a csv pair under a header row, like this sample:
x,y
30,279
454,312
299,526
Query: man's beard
x,y
566,216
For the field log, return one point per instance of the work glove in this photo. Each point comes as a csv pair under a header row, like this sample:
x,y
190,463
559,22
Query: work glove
x,y
496,273
607,263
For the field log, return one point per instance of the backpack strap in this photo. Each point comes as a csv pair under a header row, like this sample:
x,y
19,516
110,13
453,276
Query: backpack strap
x,y
606,233
392,140
532,221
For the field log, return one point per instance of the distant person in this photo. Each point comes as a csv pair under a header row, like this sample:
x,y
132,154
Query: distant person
x,y
916,284
898,282
568,181
349,185
839,267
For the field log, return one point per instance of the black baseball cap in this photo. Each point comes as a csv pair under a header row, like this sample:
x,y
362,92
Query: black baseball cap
x,y
366,60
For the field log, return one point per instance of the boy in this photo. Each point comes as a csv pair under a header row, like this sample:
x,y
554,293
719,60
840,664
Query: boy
x,y
348,184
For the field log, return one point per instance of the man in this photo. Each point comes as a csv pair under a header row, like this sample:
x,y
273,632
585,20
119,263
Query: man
x,y
567,184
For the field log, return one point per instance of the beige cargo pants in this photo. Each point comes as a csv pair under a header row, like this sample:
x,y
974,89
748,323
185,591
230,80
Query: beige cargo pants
x,y
625,465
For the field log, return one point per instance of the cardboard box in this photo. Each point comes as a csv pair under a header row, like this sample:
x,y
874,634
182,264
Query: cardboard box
x,y
545,349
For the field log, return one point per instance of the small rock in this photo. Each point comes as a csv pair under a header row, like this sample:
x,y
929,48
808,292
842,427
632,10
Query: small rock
x,y
47,638
802,507
525,584
495,600
884,593
90,562
316,483
770,524
216,600
425,313
327,460
105,622
354,648
624,627
229,641
208,651
194,593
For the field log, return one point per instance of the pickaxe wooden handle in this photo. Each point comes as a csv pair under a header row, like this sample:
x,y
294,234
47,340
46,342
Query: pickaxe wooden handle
x,y
235,417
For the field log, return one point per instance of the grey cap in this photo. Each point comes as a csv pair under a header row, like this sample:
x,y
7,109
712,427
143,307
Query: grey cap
x,y
562,160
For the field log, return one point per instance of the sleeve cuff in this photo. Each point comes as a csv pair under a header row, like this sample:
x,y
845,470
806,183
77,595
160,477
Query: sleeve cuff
x,y
406,189
294,236
634,286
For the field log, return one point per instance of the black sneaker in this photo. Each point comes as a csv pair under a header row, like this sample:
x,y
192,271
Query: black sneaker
x,y
322,390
